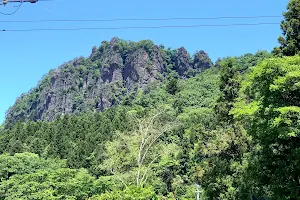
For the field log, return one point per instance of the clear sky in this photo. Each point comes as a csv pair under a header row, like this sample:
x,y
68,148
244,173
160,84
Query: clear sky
x,y
27,56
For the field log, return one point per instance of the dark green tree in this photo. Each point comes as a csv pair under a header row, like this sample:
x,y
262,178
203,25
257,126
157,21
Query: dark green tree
x,y
172,86
229,87
290,26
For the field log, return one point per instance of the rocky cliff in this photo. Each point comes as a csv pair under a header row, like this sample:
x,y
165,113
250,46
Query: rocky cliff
x,y
113,71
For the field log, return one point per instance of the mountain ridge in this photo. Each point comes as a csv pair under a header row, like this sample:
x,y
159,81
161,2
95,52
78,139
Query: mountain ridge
x,y
113,71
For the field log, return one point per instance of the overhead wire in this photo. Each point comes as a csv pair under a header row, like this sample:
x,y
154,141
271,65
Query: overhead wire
x,y
132,19
136,27
18,7
138,19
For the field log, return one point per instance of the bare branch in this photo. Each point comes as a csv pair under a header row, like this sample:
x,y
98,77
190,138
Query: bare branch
x,y
150,145
152,142
145,136
154,159
117,176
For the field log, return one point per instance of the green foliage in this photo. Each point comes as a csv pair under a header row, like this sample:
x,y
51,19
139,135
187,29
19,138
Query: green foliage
x,y
56,184
127,47
131,156
128,194
232,70
290,26
269,107
249,60
223,162
27,176
222,154
78,139
229,88
200,91
243,63
25,163
97,141
126,153
172,86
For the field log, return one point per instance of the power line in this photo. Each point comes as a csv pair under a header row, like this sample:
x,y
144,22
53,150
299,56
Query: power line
x,y
135,27
137,19
18,7
23,1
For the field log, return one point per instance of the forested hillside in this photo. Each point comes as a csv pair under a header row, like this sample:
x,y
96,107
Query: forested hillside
x,y
139,121
180,112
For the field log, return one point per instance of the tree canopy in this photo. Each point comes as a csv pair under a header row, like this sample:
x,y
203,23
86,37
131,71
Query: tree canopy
x,y
272,117
290,26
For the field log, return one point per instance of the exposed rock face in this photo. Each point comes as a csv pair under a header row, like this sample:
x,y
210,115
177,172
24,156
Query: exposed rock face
x,y
103,79
182,62
141,70
202,61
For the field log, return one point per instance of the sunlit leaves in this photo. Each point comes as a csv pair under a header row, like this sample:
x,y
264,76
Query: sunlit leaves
x,y
270,103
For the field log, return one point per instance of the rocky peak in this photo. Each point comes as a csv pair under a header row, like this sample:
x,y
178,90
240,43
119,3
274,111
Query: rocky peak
x,y
78,61
113,70
94,50
114,41
202,61
182,62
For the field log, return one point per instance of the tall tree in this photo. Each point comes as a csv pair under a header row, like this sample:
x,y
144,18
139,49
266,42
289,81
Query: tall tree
x,y
224,151
229,87
131,156
172,86
290,26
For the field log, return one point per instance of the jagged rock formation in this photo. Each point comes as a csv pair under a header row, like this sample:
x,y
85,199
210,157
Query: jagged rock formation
x,y
113,71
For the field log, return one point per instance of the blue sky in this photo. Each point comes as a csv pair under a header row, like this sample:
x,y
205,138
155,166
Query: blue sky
x,y
27,56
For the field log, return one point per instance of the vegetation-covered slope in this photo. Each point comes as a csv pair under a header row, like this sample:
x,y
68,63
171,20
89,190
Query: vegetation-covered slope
x,y
71,136
106,143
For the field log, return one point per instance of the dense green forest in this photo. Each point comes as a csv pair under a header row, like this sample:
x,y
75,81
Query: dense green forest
x,y
233,127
